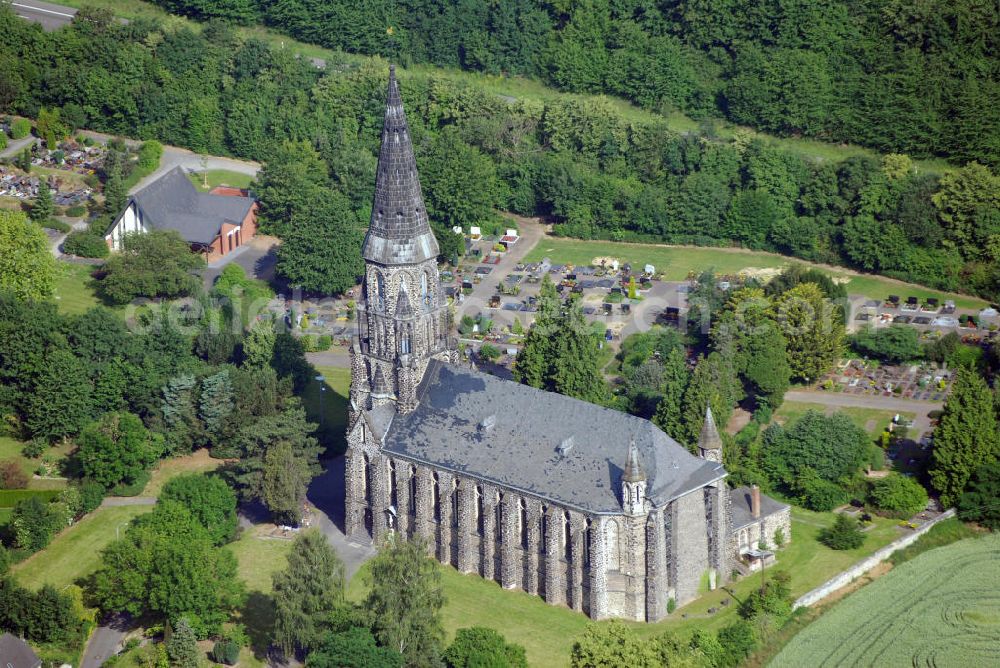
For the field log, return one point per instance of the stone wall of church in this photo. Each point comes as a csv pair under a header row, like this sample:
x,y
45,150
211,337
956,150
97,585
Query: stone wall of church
x,y
605,566
689,545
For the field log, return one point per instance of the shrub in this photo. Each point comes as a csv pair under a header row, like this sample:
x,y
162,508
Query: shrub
x,y
737,641
671,605
12,475
33,524
34,448
843,535
324,342
309,343
149,155
85,244
131,489
779,537
3,140
821,495
78,211
56,225
899,495
489,352
91,496
20,128
226,651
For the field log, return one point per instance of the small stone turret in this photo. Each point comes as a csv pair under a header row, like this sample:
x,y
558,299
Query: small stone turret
x,y
633,484
709,442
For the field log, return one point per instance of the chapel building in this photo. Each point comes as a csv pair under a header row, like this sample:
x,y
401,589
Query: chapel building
x,y
585,506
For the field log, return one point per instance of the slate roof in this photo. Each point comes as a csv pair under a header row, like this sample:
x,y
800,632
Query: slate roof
x,y
16,653
173,203
400,232
449,430
742,516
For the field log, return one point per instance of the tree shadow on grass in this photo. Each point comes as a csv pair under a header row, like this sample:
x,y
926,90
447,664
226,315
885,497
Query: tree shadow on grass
x,y
257,616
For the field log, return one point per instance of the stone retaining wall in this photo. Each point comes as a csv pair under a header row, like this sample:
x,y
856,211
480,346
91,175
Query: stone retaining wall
x,y
857,570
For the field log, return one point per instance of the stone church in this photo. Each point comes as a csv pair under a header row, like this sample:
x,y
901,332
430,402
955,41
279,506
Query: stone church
x,y
585,506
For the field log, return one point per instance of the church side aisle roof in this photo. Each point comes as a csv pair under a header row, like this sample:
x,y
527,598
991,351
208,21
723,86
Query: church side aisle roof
x,y
399,232
542,443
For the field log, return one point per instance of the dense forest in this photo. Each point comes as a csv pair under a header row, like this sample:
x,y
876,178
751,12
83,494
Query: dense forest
x,y
574,159
913,77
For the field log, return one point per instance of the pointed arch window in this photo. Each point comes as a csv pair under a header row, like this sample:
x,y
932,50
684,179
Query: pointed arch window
x,y
567,537
379,292
424,291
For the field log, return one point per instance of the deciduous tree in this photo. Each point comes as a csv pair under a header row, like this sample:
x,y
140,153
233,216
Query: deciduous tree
x,y
27,267
405,601
158,263
306,593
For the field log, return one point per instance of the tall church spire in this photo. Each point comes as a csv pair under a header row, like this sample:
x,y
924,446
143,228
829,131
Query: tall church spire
x,y
403,321
399,232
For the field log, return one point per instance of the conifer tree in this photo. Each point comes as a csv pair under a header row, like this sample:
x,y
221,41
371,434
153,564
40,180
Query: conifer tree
x,y
115,193
215,403
179,414
284,480
43,207
560,352
713,383
966,438
182,648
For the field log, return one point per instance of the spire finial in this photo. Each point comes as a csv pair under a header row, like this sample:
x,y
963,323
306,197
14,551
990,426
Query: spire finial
x,y
709,442
633,469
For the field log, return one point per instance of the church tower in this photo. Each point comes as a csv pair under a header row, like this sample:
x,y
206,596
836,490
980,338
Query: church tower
x,y
403,320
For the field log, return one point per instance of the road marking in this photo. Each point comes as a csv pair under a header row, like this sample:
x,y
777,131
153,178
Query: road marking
x,y
39,9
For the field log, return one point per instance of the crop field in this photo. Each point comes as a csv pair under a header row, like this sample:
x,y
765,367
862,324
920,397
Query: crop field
x,y
940,609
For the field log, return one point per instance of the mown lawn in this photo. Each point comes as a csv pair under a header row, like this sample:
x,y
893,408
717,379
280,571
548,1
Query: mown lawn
x,y
76,290
219,177
332,419
75,553
10,448
548,632
197,462
677,262
259,558
793,410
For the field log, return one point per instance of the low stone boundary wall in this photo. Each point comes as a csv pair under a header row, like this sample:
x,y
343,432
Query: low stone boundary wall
x,y
868,563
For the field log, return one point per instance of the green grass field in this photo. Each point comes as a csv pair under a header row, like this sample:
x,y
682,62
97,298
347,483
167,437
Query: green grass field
x,y
548,632
677,262
258,558
940,609
872,420
333,417
76,290
10,448
197,462
219,177
75,553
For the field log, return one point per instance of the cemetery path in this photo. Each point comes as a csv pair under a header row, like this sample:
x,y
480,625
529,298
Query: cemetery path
x,y
15,146
335,357
128,501
921,409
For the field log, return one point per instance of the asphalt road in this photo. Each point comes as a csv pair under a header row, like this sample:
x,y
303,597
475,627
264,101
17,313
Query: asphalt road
x,y
50,16
104,642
